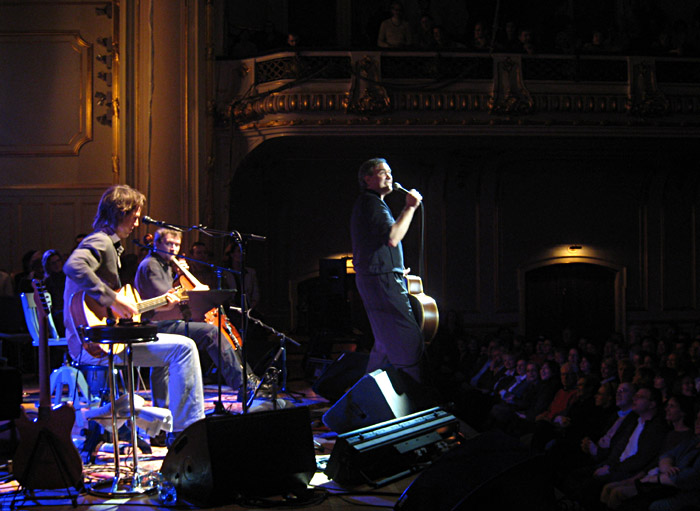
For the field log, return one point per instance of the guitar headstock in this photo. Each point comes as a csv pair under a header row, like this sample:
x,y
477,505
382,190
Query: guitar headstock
x,y
41,296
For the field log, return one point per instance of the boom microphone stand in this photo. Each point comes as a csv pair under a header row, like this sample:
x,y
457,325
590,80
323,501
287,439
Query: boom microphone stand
x,y
271,368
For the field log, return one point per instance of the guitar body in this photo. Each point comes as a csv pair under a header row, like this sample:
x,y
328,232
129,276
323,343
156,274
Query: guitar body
x,y
87,312
92,313
424,307
46,457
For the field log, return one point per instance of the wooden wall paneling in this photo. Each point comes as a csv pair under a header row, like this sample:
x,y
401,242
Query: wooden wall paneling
x,y
678,291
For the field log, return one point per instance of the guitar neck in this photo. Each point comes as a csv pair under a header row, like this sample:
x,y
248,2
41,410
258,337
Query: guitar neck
x,y
43,309
151,304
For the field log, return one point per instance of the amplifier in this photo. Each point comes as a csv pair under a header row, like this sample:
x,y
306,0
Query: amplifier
x,y
391,450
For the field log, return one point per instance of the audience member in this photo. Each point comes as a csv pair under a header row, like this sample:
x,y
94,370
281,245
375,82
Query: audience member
x,y
441,40
680,415
597,44
200,266
508,42
527,43
293,40
642,444
519,398
395,32
424,37
232,256
78,238
55,282
31,269
480,39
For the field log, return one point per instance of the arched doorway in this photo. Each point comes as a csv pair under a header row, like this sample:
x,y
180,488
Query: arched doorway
x,y
578,294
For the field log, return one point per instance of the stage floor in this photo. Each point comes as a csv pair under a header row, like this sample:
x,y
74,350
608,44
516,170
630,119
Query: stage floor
x,y
326,495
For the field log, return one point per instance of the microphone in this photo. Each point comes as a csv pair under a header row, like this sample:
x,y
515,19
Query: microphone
x,y
239,310
148,220
397,186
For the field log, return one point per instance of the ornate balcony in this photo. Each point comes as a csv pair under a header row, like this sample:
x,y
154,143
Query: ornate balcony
x,y
348,92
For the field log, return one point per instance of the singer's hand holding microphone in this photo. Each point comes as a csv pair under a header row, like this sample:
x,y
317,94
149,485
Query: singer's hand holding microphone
x,y
413,198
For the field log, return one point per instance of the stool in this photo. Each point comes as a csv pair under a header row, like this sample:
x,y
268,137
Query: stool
x,y
120,338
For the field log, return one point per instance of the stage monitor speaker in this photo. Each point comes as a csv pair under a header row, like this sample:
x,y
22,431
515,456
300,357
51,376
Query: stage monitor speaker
x,y
391,450
220,459
340,375
379,396
489,471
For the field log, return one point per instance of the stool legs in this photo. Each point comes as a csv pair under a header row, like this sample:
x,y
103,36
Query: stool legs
x,y
135,486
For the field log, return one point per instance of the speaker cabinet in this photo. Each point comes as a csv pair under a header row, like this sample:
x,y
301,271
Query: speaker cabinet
x,y
379,396
219,459
342,374
489,471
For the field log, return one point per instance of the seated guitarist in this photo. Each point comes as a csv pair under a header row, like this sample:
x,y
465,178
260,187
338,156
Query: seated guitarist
x,y
155,277
93,268
378,262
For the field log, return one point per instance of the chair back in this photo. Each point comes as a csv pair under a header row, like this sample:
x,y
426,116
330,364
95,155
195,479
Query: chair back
x,y
30,316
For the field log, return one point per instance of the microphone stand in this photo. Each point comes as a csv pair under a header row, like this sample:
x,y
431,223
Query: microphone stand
x,y
219,408
271,369
240,240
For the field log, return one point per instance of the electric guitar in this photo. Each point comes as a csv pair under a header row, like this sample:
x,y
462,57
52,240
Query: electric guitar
x,y
86,311
424,307
46,457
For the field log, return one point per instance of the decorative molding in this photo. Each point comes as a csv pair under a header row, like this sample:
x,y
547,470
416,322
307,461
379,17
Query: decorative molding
x,y
366,96
32,188
510,96
645,99
41,120
562,94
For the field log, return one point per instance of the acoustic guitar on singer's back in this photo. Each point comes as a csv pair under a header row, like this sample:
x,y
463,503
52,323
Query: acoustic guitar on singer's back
x,y
424,307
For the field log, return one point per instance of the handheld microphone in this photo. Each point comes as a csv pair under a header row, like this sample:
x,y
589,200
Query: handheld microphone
x,y
397,186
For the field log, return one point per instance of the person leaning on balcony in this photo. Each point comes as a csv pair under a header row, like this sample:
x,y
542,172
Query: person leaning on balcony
x,y
395,32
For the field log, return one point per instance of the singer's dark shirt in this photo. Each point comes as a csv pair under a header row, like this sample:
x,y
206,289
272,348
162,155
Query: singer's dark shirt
x,y
370,227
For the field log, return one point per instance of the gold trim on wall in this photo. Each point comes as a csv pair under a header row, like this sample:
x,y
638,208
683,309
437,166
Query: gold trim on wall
x,y
40,102
58,186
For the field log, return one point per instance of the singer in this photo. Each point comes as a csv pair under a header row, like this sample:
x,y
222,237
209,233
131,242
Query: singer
x,y
379,268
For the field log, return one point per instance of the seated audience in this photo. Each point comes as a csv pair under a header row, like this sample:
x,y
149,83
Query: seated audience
x,y
680,414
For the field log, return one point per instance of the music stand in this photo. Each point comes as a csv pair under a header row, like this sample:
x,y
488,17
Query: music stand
x,y
201,302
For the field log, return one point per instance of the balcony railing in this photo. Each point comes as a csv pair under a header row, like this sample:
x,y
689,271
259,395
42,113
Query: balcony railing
x,y
459,89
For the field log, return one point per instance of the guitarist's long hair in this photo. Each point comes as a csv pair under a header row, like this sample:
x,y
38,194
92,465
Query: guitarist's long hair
x,y
116,203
